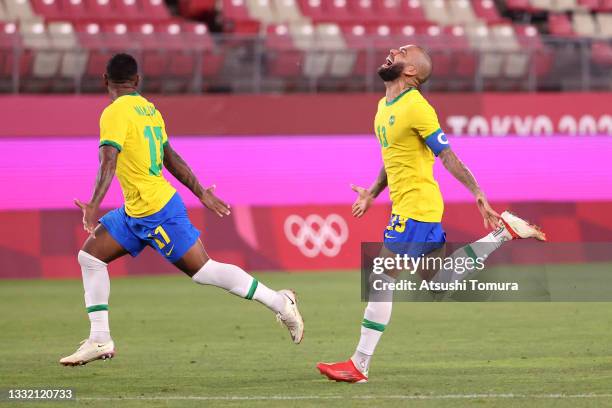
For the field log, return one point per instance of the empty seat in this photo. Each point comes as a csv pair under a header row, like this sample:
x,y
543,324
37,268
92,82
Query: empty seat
x,y
356,39
436,11
542,5
315,60
19,10
363,11
559,24
288,11
209,59
100,9
338,11
584,25
388,10
236,17
604,25
329,38
589,4
262,10
461,12
541,59
487,11
73,9
283,59
10,62
313,9
46,59
412,11
195,8
602,53
73,59
49,9
565,5
518,5
129,9
155,10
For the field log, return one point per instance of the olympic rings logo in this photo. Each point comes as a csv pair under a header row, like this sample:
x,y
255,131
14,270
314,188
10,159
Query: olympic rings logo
x,y
316,235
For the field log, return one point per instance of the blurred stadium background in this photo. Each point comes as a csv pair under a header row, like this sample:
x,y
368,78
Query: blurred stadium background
x,y
273,101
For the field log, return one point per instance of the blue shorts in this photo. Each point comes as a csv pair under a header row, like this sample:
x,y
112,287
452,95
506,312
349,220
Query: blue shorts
x,y
168,231
405,236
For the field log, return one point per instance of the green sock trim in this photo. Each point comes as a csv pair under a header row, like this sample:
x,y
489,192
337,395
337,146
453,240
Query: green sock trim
x,y
368,324
96,308
470,252
252,290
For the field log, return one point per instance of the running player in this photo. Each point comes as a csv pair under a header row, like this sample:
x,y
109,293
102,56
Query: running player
x,y
410,137
135,146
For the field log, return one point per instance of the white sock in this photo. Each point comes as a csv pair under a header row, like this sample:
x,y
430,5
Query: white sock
x,y
375,320
97,290
479,249
237,281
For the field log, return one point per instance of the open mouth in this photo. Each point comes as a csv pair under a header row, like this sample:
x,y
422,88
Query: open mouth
x,y
388,62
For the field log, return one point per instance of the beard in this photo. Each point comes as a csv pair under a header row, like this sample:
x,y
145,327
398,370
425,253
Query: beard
x,y
391,72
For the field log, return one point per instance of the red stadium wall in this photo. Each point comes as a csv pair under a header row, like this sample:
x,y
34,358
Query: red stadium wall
x,y
36,242
485,114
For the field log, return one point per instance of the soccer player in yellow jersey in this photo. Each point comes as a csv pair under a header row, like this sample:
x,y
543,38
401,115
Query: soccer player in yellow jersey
x,y
410,138
134,146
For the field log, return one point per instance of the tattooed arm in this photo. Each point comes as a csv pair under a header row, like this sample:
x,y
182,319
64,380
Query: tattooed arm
x,y
179,169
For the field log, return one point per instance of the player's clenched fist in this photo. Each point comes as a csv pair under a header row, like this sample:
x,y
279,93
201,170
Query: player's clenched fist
x,y
363,201
214,203
89,216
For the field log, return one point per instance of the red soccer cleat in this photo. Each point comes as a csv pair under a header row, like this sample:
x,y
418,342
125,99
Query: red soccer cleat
x,y
344,371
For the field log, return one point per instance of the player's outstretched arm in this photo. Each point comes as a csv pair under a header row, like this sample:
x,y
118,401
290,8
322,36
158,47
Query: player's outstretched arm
x,y
365,198
106,172
181,171
459,170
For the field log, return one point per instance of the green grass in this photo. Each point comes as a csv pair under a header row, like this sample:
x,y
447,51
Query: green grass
x,y
176,339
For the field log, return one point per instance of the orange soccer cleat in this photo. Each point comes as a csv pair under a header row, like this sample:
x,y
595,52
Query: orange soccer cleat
x,y
343,372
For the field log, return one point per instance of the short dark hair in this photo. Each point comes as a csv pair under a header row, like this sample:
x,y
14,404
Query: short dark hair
x,y
121,68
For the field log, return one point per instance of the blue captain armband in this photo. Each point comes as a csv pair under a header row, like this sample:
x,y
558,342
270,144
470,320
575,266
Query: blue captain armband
x,y
437,142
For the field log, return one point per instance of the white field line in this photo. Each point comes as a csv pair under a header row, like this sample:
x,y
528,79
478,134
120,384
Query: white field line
x,y
344,397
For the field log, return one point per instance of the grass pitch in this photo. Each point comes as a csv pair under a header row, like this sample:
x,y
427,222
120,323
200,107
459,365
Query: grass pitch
x,y
182,345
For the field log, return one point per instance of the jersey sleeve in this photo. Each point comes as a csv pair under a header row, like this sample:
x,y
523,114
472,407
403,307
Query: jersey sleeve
x,y
113,128
428,127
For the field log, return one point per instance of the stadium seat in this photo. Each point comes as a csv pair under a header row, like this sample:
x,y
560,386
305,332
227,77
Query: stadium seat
x,y
282,58
315,61
356,40
541,57
312,9
19,10
518,5
48,9
73,59
389,11
236,18
73,10
412,11
602,53
210,59
129,9
9,39
195,8
288,11
46,61
338,11
155,10
565,5
461,12
542,5
560,25
486,11
364,11
589,4
100,9
584,25
605,5
330,39
604,25
263,11
437,12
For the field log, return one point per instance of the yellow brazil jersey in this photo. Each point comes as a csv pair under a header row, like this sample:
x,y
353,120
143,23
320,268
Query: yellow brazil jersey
x,y
133,125
409,134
